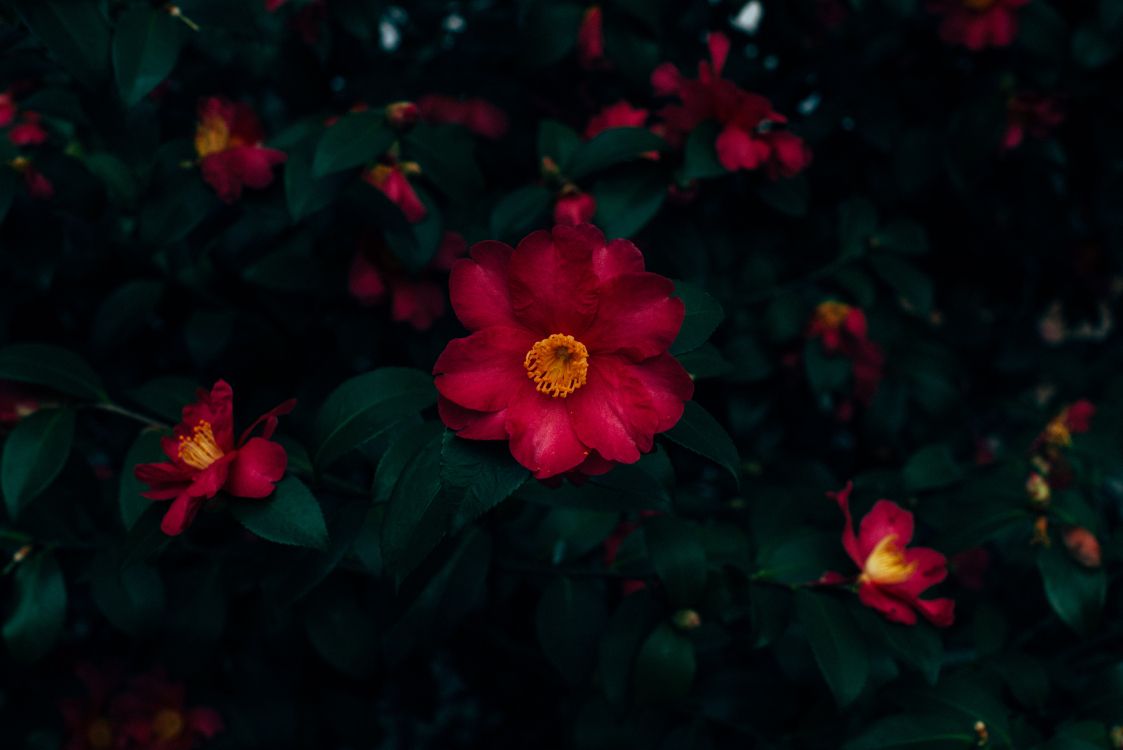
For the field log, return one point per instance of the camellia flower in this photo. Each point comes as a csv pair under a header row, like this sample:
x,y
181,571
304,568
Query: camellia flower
x,y
402,115
893,575
1083,546
477,115
392,181
205,459
574,207
228,142
618,115
978,24
7,109
567,357
842,329
376,274
16,402
590,39
750,136
1029,113
155,715
28,131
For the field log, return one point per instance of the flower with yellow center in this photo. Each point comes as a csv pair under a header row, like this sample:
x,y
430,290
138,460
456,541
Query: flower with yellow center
x,y
99,734
212,136
831,314
887,564
558,365
1057,433
199,449
168,724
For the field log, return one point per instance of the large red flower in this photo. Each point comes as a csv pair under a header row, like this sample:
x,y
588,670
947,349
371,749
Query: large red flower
x,y
978,24
205,459
750,137
228,142
567,357
893,575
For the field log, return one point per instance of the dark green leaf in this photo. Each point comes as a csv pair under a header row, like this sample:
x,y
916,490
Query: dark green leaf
x,y
34,454
627,202
306,193
126,312
170,216
931,467
788,196
857,220
913,733
612,147
664,668
1074,592
357,138
623,636
838,645
165,397
549,32
701,433
569,621
557,142
700,161
145,449
904,237
678,557
826,373
409,476
446,156
343,629
7,191
76,33
486,471
131,597
518,212
291,515
703,315
145,47
910,284
52,367
36,620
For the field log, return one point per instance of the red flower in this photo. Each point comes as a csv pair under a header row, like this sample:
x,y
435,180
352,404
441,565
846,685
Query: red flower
x,y
749,138
16,402
574,207
590,39
205,459
228,142
28,131
86,720
392,181
1028,113
402,115
567,358
154,715
272,6
1074,419
417,301
618,115
893,575
978,24
38,186
842,329
7,109
477,115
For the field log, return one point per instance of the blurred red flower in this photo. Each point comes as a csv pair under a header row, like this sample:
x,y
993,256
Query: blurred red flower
x,y
206,460
1028,113
574,207
228,141
392,181
477,115
978,24
567,359
618,115
16,402
842,329
590,39
28,131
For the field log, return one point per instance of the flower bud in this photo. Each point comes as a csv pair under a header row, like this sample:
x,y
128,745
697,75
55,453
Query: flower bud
x,y
982,736
402,115
1083,546
1041,532
1037,488
687,620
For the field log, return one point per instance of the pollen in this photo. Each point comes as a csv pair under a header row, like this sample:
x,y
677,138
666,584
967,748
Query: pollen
x,y
886,564
168,724
199,449
558,365
212,136
831,314
1057,432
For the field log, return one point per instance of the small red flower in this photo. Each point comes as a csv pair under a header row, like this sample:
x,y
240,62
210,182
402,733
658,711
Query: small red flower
x,y
402,115
28,131
417,301
477,115
978,24
1074,419
842,329
38,186
391,181
16,402
228,142
574,207
567,358
1029,113
154,715
618,115
750,137
893,575
7,109
590,39
206,460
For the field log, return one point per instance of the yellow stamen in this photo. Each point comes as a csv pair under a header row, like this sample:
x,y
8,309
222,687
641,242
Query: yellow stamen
x,y
1037,488
212,136
168,724
558,365
1041,532
1057,432
199,450
99,735
831,314
886,563
379,174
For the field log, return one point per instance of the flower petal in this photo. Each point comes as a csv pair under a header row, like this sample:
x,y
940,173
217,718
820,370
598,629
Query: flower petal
x,y
216,407
478,287
670,387
259,465
616,258
636,316
613,413
542,437
470,424
893,609
553,288
885,518
931,568
181,514
849,540
484,370
939,612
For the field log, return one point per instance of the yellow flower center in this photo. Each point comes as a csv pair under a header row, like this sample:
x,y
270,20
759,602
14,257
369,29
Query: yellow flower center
x,y
168,724
212,136
558,365
831,314
1057,432
978,5
1037,487
199,449
99,735
886,563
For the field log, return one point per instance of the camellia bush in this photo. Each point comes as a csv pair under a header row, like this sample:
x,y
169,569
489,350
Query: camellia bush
x,y
543,374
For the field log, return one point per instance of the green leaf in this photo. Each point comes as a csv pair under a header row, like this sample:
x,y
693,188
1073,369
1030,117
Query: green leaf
x,y
305,192
145,47
446,156
36,620
913,733
367,405
120,181
917,645
131,596
51,367
678,557
703,315
909,283
904,237
7,191
826,373
180,207
75,33
145,449
633,619
790,197
291,515
549,31
485,470
1074,592
557,142
664,668
1091,48
165,397
343,629
857,220
707,362
519,212
931,467
700,161
34,454
610,148
409,477
569,621
839,648
626,203
701,433
356,138
125,313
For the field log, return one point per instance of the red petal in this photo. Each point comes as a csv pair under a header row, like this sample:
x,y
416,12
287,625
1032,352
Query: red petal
x,y
478,287
885,518
719,50
484,370
470,424
613,413
931,568
365,280
259,465
164,480
553,289
616,258
666,80
669,386
637,316
452,247
181,514
216,407
736,149
270,420
542,438
418,303
205,721
849,540
893,609
940,612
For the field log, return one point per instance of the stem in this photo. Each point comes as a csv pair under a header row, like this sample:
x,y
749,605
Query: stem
x,y
137,416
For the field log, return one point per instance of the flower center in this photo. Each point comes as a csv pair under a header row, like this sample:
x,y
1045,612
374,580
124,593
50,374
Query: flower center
x,y
831,314
886,563
558,365
99,734
1057,432
168,724
978,5
199,449
212,136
